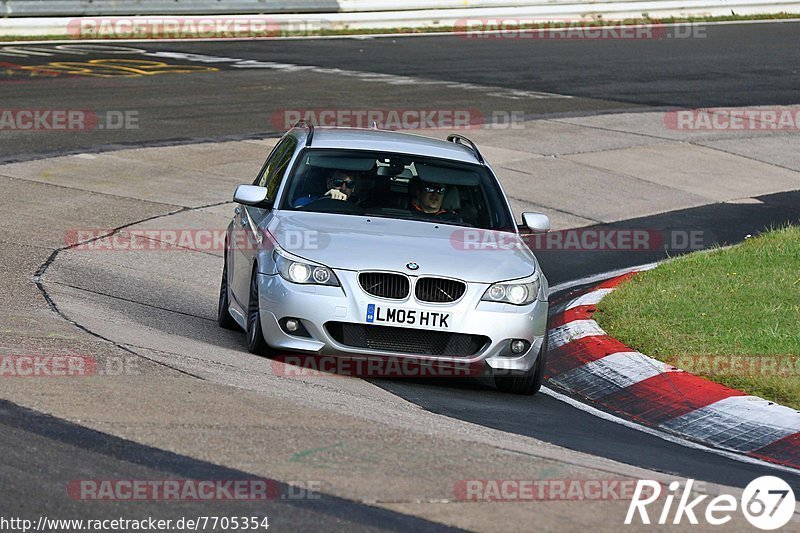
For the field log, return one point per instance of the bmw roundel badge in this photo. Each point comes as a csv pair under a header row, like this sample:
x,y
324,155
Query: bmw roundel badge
x,y
412,266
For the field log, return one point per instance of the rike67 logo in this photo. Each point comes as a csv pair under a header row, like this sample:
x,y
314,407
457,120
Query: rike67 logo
x,y
767,503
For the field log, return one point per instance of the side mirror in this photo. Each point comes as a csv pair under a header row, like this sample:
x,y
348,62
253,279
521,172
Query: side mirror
x,y
250,195
537,222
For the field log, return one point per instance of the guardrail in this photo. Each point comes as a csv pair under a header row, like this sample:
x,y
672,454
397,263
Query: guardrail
x,y
55,8
73,8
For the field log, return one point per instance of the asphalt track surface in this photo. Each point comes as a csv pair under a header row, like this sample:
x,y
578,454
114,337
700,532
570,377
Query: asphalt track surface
x,y
55,452
733,65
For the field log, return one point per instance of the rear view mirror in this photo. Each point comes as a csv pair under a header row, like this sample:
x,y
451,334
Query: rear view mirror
x,y
250,195
537,222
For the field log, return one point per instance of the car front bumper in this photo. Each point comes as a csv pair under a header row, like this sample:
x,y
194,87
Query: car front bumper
x,y
316,305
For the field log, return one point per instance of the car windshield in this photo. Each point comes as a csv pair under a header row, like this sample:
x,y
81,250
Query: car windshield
x,y
397,186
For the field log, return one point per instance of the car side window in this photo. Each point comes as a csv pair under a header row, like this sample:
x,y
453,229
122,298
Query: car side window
x,y
275,167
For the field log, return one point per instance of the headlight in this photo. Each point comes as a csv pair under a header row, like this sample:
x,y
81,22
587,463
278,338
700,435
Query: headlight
x,y
517,292
299,270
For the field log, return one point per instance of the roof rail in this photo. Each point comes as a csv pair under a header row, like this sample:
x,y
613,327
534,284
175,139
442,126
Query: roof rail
x,y
460,139
306,124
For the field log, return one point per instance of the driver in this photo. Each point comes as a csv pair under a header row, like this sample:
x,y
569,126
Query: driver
x,y
340,185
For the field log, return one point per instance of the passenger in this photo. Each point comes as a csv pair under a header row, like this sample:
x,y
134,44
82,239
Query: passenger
x,y
429,199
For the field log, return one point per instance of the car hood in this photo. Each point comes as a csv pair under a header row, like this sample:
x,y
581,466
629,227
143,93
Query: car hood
x,y
350,242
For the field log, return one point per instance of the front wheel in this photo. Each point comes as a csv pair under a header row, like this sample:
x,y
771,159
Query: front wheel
x,y
527,382
255,336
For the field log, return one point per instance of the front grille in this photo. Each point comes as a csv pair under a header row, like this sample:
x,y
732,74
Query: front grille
x,y
439,290
406,340
384,284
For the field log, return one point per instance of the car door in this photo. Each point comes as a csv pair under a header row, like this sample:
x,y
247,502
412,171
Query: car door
x,y
245,240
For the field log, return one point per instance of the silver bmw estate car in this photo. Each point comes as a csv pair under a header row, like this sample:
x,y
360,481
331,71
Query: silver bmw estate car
x,y
366,243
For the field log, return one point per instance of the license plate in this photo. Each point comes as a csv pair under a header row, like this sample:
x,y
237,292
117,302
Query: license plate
x,y
378,314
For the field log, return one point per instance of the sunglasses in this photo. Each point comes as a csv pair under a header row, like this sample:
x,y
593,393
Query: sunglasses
x,y
338,182
440,189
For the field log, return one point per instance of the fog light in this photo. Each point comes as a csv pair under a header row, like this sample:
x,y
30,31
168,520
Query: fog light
x,y
294,326
518,346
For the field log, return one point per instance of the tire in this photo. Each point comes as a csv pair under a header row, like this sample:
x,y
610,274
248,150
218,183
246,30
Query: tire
x,y
255,336
224,318
527,382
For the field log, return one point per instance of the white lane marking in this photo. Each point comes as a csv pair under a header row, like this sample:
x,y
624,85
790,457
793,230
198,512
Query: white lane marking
x,y
741,423
389,79
577,329
602,277
366,76
77,49
590,298
13,51
662,434
610,374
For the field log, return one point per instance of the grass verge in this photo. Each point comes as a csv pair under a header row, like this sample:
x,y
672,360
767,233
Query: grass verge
x,y
731,315
432,29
